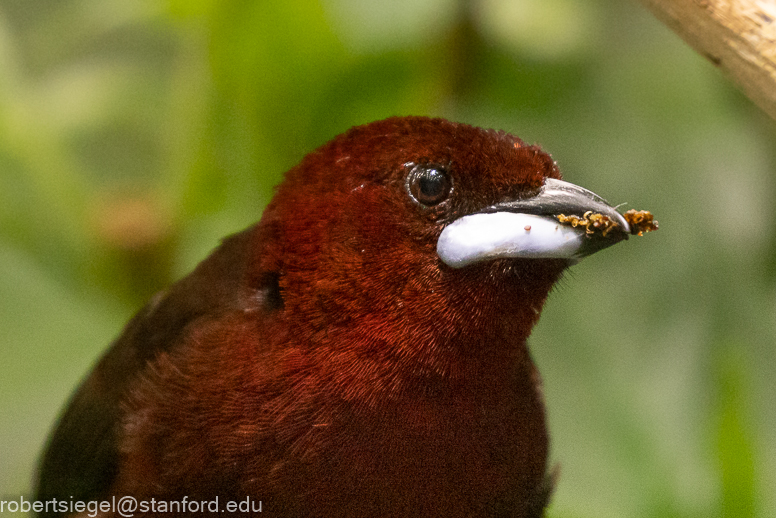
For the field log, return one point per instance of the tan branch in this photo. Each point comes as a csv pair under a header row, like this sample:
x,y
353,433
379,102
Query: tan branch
x,y
737,35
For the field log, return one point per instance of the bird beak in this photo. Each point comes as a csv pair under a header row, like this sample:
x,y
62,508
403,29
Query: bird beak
x,y
562,221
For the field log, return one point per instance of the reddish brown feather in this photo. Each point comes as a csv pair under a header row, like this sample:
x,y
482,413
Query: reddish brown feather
x,y
376,381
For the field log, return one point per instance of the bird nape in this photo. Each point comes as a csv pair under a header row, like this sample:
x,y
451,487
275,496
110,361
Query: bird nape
x,y
359,352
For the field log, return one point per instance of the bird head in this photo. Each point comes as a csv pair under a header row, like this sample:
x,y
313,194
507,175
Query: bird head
x,y
423,239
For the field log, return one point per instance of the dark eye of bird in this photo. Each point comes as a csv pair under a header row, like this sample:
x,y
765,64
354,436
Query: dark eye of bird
x,y
429,185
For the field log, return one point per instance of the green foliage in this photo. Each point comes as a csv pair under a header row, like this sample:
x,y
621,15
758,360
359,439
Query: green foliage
x,y
134,135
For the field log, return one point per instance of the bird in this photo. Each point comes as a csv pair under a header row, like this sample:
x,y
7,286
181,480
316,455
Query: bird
x,y
361,351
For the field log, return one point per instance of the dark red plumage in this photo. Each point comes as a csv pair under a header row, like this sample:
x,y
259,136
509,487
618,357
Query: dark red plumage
x,y
326,361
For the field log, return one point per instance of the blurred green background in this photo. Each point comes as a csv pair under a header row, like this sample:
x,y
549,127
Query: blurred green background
x,y
133,135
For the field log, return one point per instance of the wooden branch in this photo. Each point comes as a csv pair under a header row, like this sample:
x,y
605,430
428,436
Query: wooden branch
x,y
739,36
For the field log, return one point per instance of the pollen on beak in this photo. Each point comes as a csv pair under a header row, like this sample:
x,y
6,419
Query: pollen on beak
x,y
563,221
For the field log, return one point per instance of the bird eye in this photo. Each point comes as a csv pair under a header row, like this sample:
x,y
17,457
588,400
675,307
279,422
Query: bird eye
x,y
429,185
